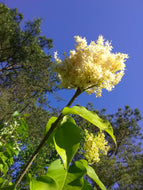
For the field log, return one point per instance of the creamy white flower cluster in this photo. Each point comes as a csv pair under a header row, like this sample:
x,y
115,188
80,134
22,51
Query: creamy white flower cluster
x,y
91,67
94,146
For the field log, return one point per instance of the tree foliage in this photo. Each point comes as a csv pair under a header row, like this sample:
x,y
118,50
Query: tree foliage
x,y
122,168
11,135
25,60
25,81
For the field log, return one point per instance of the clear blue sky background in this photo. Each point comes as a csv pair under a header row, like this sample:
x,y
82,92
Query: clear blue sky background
x,y
119,21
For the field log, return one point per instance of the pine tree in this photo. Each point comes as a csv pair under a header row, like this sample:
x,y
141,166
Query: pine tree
x,y
25,62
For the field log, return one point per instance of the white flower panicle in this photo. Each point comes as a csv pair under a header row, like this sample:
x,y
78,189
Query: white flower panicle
x,y
91,67
94,146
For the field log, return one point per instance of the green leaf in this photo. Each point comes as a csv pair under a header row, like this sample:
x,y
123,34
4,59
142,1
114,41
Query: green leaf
x,y
48,126
54,179
84,162
24,124
87,185
27,115
67,140
91,117
50,122
16,114
57,172
57,178
28,178
91,173
2,181
74,180
22,129
43,183
11,187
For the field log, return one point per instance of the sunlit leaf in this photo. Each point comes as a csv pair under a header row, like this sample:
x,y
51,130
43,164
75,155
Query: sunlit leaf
x,y
57,171
50,122
87,186
74,180
91,117
48,126
43,183
67,140
16,114
91,173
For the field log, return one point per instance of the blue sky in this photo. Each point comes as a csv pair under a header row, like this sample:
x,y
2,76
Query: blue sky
x,y
119,21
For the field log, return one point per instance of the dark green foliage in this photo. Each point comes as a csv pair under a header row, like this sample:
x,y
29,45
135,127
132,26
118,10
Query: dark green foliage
x,y
25,75
123,164
25,80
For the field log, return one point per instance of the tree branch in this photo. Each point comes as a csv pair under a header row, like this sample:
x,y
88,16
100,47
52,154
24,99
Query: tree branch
x,y
54,125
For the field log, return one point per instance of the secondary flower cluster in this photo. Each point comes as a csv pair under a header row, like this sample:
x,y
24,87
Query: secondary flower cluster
x,y
94,146
91,67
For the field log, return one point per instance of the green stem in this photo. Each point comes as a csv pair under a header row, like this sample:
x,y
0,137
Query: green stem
x,y
54,125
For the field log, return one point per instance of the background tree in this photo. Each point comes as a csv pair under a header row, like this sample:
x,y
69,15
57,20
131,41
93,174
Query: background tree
x,y
25,60
25,78
122,167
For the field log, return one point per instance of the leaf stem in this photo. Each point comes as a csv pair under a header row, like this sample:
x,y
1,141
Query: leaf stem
x,y
54,125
